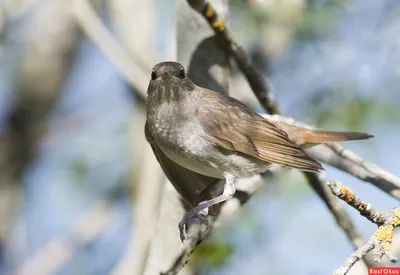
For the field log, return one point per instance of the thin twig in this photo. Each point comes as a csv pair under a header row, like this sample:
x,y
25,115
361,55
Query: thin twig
x,y
355,257
195,235
258,83
325,154
375,170
381,241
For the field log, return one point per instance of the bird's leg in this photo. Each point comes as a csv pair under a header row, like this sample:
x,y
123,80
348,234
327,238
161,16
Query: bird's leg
x,y
211,191
229,191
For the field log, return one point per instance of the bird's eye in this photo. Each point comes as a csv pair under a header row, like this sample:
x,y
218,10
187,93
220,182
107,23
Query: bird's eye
x,y
153,75
182,73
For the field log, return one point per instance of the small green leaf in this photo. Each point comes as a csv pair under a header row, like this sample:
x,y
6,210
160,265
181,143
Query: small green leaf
x,y
214,254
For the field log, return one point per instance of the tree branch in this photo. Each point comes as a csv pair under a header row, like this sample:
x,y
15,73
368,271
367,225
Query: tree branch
x,y
381,241
381,178
258,83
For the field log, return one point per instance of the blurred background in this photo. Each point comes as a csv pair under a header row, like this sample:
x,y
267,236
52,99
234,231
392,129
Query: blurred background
x,y
72,143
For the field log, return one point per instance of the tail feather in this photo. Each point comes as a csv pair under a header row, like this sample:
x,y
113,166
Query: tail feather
x,y
306,137
314,136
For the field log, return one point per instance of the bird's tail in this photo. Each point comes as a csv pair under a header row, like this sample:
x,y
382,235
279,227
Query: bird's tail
x,y
306,137
315,136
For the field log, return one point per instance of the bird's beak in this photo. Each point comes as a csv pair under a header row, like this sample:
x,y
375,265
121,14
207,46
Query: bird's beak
x,y
166,82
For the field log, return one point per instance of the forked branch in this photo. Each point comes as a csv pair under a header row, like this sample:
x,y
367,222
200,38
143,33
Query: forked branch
x,y
381,241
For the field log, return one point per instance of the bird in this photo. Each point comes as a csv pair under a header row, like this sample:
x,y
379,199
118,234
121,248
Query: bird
x,y
210,134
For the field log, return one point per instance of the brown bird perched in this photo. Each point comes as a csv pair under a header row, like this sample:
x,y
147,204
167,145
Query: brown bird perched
x,y
218,136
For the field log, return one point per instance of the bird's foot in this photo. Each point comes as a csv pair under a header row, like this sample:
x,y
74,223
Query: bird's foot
x,y
189,216
229,191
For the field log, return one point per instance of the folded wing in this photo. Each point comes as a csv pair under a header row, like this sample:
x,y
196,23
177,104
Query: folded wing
x,y
233,126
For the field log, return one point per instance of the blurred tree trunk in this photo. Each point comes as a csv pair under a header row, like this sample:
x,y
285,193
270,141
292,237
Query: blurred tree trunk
x,y
51,37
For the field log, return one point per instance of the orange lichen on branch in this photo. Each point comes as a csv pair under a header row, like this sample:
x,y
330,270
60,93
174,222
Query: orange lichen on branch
x,y
347,195
384,235
209,10
218,24
381,241
356,202
385,232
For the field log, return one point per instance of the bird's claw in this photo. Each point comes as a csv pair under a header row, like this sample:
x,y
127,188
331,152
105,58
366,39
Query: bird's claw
x,y
184,223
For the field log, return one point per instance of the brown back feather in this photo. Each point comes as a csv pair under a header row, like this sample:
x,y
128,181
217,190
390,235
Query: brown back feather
x,y
233,126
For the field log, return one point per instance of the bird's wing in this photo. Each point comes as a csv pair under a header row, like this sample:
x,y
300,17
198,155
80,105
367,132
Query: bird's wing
x,y
231,125
186,182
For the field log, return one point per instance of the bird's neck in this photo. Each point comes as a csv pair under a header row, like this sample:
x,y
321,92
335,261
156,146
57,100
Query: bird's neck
x,y
172,103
